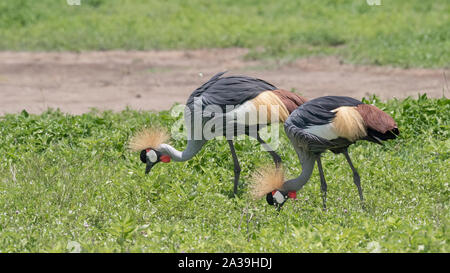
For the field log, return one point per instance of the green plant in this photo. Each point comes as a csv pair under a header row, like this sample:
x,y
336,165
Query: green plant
x,y
68,183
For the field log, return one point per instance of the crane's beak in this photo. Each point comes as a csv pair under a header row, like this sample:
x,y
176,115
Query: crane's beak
x,y
149,166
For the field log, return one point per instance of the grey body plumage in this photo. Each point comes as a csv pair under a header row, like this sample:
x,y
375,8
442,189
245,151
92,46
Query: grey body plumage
x,y
222,92
320,113
316,112
232,90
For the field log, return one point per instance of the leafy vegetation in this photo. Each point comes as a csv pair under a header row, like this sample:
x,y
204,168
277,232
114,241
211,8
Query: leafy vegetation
x,y
402,33
68,183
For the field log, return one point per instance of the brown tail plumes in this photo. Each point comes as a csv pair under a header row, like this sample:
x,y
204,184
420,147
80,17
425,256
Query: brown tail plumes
x,y
291,100
380,126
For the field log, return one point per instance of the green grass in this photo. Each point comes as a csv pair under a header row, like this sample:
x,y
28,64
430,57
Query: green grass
x,y
402,33
67,180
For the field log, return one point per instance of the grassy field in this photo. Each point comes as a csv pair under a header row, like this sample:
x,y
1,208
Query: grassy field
x,y
69,183
402,33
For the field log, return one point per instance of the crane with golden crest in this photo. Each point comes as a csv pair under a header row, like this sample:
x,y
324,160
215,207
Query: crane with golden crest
x,y
325,123
220,101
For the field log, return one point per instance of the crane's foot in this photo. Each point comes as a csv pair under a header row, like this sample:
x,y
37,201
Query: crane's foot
x,y
363,205
277,198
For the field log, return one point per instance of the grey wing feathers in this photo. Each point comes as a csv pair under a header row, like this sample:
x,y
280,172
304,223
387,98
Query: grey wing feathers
x,y
319,111
197,92
312,142
233,90
316,112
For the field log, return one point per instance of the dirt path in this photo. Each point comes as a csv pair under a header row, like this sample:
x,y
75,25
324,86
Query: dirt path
x,y
155,80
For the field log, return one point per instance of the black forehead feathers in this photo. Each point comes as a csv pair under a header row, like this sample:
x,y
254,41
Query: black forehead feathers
x,y
143,156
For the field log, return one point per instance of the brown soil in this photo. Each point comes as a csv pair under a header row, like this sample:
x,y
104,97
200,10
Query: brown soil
x,y
155,80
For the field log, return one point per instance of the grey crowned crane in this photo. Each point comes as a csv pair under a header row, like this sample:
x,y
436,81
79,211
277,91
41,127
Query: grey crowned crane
x,y
220,101
325,123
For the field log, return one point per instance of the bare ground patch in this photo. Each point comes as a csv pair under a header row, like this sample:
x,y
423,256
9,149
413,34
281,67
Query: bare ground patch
x,y
155,80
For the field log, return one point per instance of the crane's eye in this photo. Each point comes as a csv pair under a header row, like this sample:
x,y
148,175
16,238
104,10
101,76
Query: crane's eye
x,y
152,156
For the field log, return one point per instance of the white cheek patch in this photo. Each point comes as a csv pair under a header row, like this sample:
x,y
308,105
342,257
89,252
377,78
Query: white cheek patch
x,y
151,155
279,197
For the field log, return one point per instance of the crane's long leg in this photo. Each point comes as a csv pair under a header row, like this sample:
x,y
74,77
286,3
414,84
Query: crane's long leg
x,y
237,168
276,158
356,178
323,183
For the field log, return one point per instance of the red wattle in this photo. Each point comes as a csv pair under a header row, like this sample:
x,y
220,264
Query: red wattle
x,y
292,194
165,158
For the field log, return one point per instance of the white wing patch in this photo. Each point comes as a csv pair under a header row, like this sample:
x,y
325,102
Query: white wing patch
x,y
243,115
247,114
325,131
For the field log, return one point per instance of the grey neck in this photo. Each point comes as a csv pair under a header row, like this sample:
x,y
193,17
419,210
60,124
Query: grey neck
x,y
308,161
193,147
